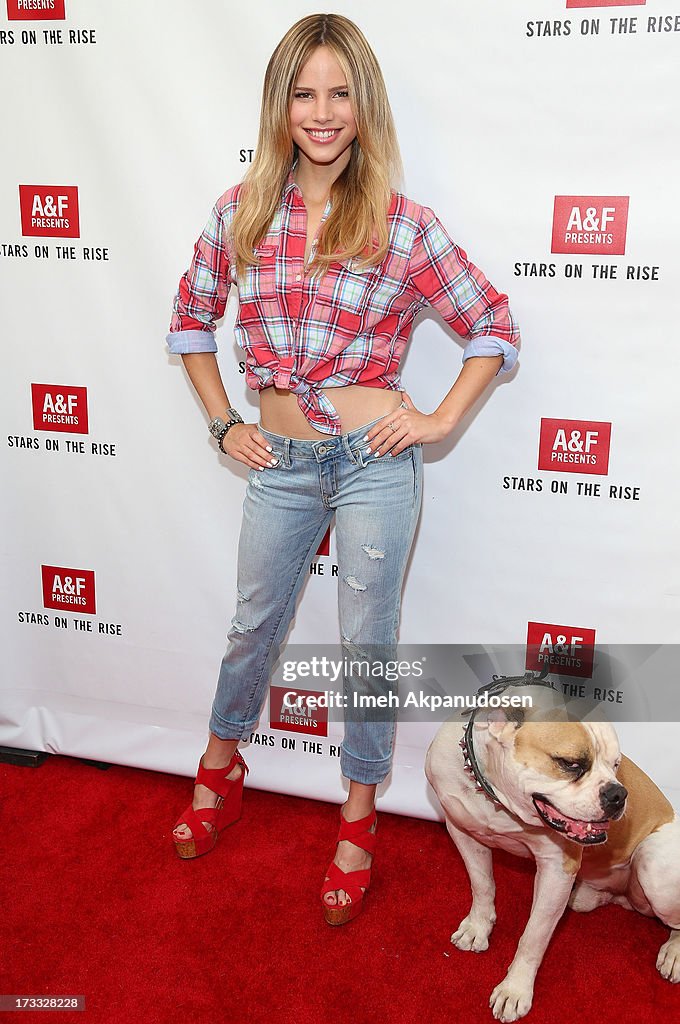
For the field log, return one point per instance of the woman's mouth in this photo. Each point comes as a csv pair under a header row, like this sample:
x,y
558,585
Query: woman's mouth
x,y
322,135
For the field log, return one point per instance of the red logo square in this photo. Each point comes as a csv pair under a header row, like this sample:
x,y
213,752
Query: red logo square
x,y
574,446
49,210
68,590
568,650
590,224
296,716
35,10
59,408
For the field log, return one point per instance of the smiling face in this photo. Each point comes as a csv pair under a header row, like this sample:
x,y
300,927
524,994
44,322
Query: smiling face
x,y
321,119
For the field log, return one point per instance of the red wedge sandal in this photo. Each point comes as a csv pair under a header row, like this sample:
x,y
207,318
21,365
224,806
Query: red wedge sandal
x,y
351,881
226,811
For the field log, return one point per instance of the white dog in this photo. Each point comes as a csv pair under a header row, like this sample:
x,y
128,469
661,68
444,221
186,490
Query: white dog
x,y
561,792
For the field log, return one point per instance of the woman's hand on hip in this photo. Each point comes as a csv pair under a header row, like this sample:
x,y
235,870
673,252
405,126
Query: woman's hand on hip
x,y
246,444
404,427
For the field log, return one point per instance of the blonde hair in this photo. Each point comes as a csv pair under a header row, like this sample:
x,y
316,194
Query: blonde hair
x,y
361,194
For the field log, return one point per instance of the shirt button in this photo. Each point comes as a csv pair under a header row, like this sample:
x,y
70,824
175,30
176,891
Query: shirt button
x,y
299,277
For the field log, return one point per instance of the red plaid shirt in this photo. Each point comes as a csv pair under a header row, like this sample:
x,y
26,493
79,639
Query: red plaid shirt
x,y
351,326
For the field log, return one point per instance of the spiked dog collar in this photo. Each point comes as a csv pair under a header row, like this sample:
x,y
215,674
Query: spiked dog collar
x,y
497,685
471,766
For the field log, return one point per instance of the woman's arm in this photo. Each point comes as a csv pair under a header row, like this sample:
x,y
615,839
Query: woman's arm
x,y
243,441
477,373
200,301
204,374
415,427
441,273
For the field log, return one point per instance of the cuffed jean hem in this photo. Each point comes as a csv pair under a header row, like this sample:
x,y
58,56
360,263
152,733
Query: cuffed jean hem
x,y
357,769
229,730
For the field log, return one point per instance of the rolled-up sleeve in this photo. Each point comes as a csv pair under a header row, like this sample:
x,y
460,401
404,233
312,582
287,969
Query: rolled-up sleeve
x,y
441,273
202,294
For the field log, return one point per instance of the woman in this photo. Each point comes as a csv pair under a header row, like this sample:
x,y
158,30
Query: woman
x,y
331,266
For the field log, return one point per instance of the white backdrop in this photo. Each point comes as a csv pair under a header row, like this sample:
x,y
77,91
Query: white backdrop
x,y
143,113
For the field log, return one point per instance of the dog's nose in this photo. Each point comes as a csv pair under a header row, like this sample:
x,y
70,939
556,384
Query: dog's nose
x,y
613,797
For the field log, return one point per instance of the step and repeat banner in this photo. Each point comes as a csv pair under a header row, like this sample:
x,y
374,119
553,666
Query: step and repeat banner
x,y
540,131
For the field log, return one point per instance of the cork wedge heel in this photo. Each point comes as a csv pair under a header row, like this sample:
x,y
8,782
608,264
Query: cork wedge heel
x,y
354,883
226,811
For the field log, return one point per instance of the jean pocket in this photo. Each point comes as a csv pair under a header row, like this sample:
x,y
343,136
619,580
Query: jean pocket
x,y
367,458
407,453
280,460
257,476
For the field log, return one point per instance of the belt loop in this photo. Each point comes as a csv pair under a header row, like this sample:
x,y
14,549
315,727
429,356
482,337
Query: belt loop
x,y
286,452
348,448
356,453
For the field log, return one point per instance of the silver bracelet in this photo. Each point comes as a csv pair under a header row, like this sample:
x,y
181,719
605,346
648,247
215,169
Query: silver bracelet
x,y
218,428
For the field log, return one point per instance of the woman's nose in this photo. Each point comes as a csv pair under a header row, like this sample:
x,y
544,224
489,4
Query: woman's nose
x,y
322,111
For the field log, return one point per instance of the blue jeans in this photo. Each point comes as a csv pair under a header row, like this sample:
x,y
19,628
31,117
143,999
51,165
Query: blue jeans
x,y
286,512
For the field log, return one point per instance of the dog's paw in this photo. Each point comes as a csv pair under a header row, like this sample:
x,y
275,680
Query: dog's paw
x,y
511,1000
668,960
473,934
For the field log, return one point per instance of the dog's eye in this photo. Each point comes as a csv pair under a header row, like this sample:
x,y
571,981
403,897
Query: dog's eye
x,y
617,764
576,768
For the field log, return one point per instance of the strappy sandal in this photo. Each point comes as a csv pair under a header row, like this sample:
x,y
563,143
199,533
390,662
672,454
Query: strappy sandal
x,y
352,882
226,811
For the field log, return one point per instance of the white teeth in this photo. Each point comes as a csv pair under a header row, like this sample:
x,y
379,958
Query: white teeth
x,y
589,828
321,135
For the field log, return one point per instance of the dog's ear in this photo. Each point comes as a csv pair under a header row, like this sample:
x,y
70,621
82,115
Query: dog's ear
x,y
502,724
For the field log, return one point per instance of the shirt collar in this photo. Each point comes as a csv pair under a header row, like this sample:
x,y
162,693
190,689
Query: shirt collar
x,y
291,185
290,181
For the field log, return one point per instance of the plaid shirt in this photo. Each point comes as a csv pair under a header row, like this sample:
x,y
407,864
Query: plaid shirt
x,y
304,333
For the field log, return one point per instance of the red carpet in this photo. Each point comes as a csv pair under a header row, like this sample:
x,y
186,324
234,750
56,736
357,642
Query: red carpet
x,y
97,903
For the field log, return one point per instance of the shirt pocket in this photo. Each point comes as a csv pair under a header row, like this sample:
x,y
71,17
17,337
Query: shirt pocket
x,y
259,282
258,298
343,295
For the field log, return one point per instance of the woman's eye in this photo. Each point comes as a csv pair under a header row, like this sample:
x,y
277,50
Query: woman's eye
x,y
303,95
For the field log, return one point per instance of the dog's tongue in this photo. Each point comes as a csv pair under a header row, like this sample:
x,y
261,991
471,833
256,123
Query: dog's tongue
x,y
573,827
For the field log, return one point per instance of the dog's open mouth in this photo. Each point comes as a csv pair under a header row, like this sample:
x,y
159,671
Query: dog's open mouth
x,y
585,832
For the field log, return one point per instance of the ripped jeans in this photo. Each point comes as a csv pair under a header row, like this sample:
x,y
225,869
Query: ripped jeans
x,y
286,512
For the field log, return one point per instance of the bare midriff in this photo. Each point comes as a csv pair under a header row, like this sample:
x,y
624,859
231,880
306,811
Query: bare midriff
x,y
355,405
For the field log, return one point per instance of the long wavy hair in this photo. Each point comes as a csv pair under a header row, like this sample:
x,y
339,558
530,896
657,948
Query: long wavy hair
x,y
361,194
